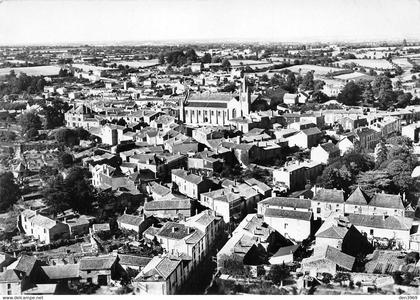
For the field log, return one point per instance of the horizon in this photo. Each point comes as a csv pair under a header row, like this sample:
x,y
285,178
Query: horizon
x,y
78,22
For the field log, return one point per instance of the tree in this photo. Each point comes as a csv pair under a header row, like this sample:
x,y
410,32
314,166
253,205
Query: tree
x,y
161,59
65,160
31,133
374,182
206,59
278,273
333,177
226,64
350,94
66,136
73,192
368,95
381,154
308,81
29,120
400,173
9,191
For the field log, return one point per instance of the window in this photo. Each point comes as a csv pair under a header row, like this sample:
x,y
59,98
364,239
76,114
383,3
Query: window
x,y
285,225
371,232
318,210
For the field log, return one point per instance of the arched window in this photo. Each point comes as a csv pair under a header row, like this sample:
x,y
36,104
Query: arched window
x,y
233,113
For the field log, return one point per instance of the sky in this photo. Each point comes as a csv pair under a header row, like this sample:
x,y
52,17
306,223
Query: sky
x,y
119,21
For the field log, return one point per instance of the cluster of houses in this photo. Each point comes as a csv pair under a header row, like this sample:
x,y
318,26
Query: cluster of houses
x,y
179,146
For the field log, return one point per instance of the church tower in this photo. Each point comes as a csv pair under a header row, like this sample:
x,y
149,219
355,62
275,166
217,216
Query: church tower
x,y
245,98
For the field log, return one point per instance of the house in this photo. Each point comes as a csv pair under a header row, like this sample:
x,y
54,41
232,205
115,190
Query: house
x,y
378,227
232,201
306,138
5,261
326,202
367,137
253,242
13,282
99,270
284,255
133,262
259,186
386,204
29,266
345,145
295,175
160,192
290,99
78,226
357,202
327,259
182,240
161,276
351,122
190,184
43,228
325,153
337,232
291,217
134,223
174,208
210,224
62,273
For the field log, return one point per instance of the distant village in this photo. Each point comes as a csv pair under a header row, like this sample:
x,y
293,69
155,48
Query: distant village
x,y
210,169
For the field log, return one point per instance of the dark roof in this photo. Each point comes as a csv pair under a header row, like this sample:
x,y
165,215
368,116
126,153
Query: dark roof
x,y
97,263
286,250
329,147
130,219
343,260
173,204
290,214
311,131
387,201
379,221
61,271
207,104
329,195
287,202
133,260
26,264
358,197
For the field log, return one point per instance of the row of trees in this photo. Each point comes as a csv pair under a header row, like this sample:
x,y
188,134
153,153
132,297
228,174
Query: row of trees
x,y
9,191
378,93
23,83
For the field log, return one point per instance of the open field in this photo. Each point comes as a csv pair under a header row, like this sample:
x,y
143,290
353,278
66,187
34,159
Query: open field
x,y
138,63
368,63
33,71
319,70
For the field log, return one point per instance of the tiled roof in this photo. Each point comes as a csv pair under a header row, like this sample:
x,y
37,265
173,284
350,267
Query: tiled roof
x,y
61,271
286,250
101,227
176,231
329,195
167,266
332,254
42,221
358,197
130,219
97,263
187,176
379,221
25,264
287,202
329,147
334,232
133,260
290,214
174,204
387,201
159,189
9,276
311,131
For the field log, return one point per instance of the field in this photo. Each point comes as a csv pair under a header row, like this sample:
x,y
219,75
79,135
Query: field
x,y
368,63
33,71
138,63
319,70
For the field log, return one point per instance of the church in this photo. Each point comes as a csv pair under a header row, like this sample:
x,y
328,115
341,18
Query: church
x,y
217,109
